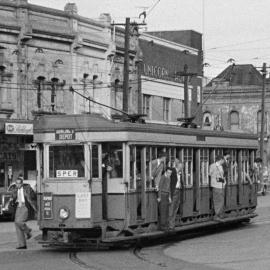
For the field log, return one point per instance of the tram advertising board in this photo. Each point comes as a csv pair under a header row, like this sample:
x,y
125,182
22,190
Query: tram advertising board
x,y
83,205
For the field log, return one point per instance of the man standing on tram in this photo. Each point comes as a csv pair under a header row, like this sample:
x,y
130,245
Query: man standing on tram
x,y
164,198
158,167
217,183
176,187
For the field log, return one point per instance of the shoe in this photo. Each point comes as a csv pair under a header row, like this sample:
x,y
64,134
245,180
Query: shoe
x,y
23,247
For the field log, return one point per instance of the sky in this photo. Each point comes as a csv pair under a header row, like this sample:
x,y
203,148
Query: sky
x,y
232,29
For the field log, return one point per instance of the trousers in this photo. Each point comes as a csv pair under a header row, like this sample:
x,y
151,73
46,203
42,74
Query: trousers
x,y
22,229
164,211
218,198
174,206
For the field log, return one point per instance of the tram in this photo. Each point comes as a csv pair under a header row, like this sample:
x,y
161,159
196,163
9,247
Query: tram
x,y
81,202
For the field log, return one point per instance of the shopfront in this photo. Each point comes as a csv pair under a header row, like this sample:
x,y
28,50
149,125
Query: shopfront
x,y
17,152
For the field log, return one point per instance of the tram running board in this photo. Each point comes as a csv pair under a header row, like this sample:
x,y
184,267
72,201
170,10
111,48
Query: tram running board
x,y
183,228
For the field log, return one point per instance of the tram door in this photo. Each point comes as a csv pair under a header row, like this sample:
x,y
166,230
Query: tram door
x,y
140,181
196,177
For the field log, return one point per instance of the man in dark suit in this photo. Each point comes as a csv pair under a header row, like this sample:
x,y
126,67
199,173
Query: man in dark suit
x,y
164,198
176,186
226,166
23,197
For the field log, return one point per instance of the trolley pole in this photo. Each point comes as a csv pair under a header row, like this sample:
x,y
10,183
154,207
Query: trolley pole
x,y
262,113
126,67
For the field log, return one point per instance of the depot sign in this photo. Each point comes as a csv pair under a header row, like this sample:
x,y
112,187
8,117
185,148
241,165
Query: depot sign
x,y
19,128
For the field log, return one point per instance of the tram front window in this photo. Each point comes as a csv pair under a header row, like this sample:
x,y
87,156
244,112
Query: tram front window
x,y
66,161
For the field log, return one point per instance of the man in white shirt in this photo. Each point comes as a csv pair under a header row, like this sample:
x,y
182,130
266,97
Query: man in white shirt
x,y
24,198
217,183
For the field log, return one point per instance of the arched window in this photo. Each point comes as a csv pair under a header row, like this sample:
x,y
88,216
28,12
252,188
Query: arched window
x,y
207,119
234,120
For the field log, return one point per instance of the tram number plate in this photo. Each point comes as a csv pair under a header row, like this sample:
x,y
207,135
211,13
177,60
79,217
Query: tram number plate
x,y
47,206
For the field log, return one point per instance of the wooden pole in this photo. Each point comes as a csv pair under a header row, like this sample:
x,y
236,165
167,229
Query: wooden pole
x,y
126,67
262,114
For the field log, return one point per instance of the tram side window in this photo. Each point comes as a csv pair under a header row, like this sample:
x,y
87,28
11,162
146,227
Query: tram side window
x,y
132,167
204,165
113,156
66,161
234,167
188,169
95,161
245,166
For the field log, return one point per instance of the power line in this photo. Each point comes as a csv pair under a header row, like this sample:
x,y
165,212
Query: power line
x,y
239,43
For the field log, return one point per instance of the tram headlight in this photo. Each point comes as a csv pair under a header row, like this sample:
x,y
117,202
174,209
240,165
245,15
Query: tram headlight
x,y
63,213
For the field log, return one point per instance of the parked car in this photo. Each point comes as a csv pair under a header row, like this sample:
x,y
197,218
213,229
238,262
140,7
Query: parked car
x,y
7,209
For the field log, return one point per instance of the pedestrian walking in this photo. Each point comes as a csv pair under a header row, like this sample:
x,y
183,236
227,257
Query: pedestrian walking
x,y
23,197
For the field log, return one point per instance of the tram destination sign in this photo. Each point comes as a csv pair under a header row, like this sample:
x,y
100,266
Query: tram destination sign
x,y
64,134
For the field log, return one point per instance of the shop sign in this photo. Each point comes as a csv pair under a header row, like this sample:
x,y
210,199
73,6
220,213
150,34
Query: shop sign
x,y
19,128
65,134
47,206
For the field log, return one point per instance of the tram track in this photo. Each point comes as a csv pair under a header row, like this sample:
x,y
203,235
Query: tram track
x,y
74,259
146,251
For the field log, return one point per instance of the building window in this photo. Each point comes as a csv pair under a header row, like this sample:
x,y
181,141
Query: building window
x,y
166,109
146,105
207,119
259,121
234,120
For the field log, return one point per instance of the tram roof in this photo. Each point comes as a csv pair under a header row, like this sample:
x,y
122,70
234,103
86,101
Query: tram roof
x,y
96,123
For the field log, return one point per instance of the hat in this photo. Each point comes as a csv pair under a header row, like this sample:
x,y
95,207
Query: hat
x,y
20,177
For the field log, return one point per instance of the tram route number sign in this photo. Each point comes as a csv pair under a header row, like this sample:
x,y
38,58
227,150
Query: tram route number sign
x,y
65,134
47,206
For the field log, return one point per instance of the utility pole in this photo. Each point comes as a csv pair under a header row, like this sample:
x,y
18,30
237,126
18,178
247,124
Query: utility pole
x,y
262,113
126,67
127,25
186,76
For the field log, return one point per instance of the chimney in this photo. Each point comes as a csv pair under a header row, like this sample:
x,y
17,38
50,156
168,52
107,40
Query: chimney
x,y
71,8
105,18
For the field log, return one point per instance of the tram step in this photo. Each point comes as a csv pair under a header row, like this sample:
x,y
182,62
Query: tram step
x,y
179,229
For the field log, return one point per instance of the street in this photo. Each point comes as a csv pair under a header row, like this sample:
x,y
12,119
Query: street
x,y
242,247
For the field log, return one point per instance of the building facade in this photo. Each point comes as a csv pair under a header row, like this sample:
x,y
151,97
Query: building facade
x,y
43,53
233,100
166,54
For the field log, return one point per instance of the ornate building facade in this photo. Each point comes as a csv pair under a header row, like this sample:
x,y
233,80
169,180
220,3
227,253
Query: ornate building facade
x,y
44,52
